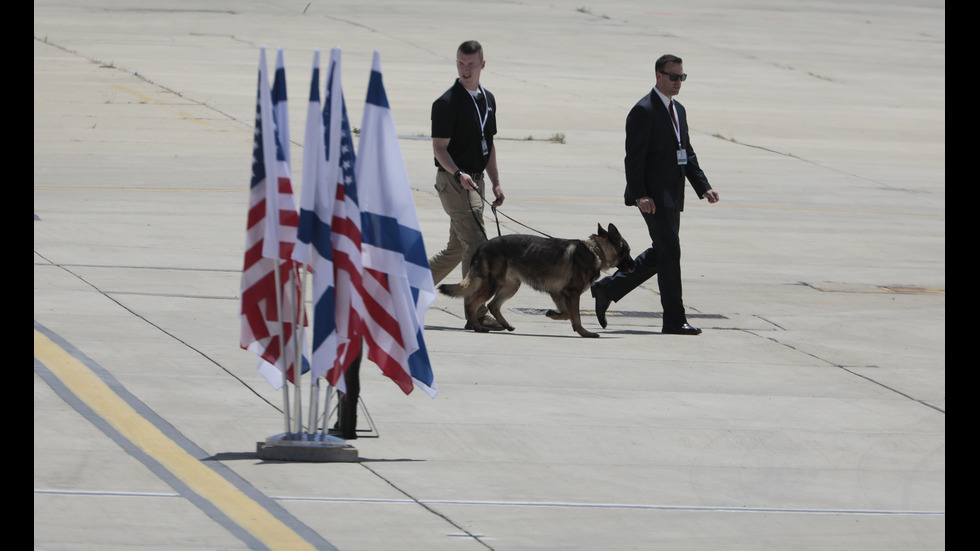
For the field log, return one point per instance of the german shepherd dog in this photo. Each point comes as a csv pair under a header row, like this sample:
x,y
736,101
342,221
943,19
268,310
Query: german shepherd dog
x,y
563,268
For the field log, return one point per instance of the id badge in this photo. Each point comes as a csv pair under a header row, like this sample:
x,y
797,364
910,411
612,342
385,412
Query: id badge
x,y
682,157
486,151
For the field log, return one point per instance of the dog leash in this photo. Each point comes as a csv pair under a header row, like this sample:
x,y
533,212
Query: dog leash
x,y
497,220
479,222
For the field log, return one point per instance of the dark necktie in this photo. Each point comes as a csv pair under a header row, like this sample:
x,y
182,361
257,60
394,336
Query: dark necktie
x,y
673,118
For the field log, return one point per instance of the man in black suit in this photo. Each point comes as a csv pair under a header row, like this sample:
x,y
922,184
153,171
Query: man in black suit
x,y
659,157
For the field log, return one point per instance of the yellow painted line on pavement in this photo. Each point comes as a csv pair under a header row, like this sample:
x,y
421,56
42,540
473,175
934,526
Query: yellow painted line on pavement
x,y
192,118
150,99
143,97
913,289
231,501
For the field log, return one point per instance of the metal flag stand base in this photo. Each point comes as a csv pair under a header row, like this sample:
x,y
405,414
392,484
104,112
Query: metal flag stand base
x,y
313,448
319,446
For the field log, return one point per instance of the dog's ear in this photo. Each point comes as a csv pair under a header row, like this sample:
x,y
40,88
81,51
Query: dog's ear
x,y
613,232
601,232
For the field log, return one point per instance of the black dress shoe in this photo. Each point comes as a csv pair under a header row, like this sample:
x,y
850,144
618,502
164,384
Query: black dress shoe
x,y
601,304
682,330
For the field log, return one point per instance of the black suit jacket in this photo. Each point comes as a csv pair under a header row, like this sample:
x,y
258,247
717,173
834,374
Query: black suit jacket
x,y
651,155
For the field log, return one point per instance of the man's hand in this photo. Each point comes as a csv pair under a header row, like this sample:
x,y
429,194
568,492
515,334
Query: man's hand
x,y
646,205
467,182
711,195
499,194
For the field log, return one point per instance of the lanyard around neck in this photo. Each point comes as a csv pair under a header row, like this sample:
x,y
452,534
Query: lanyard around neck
x,y
484,117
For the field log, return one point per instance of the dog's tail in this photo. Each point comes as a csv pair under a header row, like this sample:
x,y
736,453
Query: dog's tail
x,y
453,289
463,289
473,281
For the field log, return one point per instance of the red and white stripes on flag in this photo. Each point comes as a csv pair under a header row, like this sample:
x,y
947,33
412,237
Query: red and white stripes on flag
x,y
269,242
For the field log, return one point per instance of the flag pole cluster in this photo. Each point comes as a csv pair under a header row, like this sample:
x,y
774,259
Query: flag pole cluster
x,y
357,230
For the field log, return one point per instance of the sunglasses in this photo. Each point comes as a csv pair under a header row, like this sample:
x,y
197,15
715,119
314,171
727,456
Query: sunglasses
x,y
674,77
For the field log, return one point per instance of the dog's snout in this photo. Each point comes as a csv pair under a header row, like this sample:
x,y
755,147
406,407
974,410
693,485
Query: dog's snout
x,y
627,264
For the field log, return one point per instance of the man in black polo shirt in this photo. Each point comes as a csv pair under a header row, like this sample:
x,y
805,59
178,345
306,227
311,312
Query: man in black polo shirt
x,y
463,125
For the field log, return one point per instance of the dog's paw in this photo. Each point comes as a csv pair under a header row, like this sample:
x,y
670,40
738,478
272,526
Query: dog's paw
x,y
477,328
556,315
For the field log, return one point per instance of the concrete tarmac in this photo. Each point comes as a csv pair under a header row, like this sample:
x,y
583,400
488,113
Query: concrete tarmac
x,y
810,414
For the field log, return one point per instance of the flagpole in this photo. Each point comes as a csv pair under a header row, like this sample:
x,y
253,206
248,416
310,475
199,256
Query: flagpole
x,y
282,347
314,383
298,317
313,409
298,361
326,408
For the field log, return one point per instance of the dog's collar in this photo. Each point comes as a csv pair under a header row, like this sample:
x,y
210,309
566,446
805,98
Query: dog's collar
x,y
598,251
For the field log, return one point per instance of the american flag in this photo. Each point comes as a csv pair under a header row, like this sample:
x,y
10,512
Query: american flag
x,y
397,278
345,225
269,242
